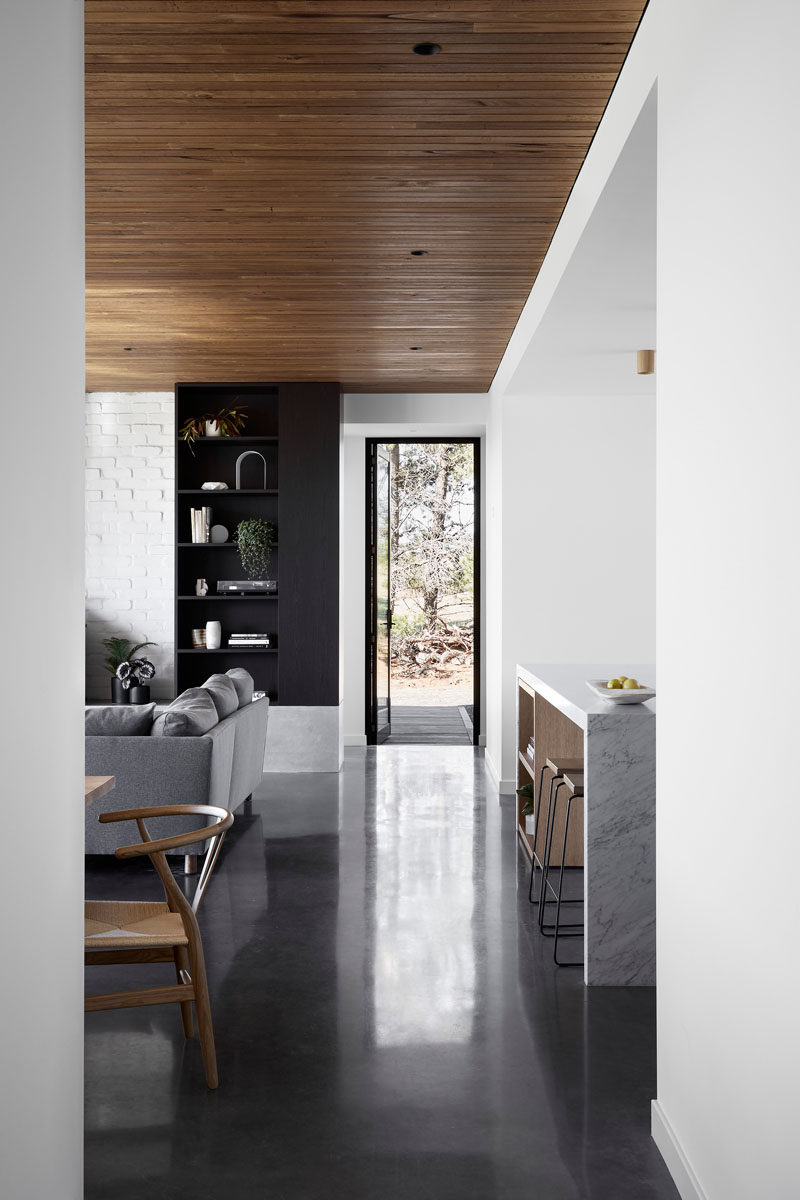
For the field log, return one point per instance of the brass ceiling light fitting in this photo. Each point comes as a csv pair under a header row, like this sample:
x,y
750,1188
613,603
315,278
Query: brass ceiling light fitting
x,y
645,362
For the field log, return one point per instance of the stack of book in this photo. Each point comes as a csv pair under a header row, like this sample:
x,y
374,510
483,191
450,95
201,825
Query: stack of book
x,y
262,640
530,749
201,524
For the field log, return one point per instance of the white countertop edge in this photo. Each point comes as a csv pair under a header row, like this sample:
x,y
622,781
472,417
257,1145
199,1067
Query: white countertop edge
x,y
564,686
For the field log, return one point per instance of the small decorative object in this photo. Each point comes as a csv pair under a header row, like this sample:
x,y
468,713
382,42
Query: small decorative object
x,y
219,533
215,487
121,650
198,639
213,635
526,793
247,587
255,539
645,362
135,674
228,422
201,587
240,460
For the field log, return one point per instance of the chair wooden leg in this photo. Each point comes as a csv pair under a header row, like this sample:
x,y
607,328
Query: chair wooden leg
x,y
187,1014
190,864
205,1027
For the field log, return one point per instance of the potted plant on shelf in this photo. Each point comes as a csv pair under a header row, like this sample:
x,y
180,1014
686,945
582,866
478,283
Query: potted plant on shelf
x,y
526,793
228,422
255,539
124,687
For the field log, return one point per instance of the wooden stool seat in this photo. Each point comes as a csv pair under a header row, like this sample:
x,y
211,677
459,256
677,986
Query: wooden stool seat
x,y
564,765
110,924
573,781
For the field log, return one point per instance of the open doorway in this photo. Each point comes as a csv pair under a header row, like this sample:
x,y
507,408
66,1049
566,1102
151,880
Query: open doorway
x,y
423,602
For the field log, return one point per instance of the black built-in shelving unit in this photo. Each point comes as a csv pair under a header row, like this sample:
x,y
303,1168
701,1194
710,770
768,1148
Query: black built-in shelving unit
x,y
297,428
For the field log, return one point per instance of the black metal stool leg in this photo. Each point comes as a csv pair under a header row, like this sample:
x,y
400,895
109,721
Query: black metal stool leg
x,y
558,925
534,859
552,809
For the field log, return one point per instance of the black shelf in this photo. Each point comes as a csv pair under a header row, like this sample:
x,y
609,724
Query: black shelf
x,y
297,429
228,596
235,650
213,545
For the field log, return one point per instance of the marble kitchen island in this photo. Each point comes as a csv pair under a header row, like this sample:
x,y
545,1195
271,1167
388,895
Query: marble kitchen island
x,y
618,744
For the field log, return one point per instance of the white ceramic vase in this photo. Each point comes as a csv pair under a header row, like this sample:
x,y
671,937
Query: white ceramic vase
x,y
200,588
212,429
213,635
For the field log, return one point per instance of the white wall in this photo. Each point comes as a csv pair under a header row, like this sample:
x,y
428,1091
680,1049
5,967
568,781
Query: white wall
x,y
41,350
398,415
130,518
576,491
728,509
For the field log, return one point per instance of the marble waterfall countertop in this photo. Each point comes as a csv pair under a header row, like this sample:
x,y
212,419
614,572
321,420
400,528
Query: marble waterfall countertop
x,y
564,685
619,841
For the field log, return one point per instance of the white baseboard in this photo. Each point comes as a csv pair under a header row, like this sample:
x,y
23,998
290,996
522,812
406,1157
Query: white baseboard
x,y
355,739
482,739
506,787
672,1153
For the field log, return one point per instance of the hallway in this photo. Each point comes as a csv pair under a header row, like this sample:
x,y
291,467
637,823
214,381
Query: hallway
x,y
389,1024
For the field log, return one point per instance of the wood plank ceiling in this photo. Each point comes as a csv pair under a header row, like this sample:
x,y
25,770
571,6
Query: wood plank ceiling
x,y
260,171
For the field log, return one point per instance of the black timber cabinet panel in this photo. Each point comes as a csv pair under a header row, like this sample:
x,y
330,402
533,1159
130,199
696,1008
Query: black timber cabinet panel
x,y
297,428
309,458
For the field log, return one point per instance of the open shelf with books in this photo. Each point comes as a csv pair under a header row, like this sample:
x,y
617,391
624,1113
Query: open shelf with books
x,y
289,440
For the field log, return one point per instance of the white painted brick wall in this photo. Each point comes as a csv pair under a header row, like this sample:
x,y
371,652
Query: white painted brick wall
x,y
130,473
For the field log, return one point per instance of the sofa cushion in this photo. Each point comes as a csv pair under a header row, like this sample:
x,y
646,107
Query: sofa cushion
x,y
243,682
120,720
223,692
192,714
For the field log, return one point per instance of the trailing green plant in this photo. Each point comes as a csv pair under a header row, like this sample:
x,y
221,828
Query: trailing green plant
x,y
526,793
121,650
255,539
230,420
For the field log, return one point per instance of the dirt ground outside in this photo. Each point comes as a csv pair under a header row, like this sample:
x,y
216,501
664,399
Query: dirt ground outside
x,y
441,690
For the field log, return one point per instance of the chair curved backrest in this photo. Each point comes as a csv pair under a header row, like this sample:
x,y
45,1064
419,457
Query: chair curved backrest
x,y
155,849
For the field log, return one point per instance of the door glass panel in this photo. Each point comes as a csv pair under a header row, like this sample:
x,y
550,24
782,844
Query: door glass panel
x,y
382,587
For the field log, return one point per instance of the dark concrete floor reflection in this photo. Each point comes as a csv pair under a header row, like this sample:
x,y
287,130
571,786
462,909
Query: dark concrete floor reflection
x,y
389,1023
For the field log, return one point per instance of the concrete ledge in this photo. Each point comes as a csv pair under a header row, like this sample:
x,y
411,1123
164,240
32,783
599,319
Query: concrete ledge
x,y
304,738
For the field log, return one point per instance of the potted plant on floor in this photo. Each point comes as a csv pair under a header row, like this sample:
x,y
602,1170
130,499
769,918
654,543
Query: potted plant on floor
x,y
130,683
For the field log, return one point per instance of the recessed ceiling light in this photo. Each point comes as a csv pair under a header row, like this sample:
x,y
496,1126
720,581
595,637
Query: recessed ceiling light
x,y
128,347
420,253
415,347
427,48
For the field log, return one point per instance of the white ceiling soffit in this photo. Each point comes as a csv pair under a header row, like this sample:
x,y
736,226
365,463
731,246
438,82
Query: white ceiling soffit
x,y
604,307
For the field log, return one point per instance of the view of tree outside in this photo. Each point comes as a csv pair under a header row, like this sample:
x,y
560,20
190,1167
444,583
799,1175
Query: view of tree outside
x,y
432,564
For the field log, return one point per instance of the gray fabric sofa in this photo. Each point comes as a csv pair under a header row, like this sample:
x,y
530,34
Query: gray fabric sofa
x,y
221,766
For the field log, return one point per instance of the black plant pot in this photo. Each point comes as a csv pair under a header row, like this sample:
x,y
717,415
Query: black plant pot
x,y
118,693
139,693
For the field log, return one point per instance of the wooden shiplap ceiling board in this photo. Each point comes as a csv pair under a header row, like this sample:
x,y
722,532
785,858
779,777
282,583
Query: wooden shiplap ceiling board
x,y
258,172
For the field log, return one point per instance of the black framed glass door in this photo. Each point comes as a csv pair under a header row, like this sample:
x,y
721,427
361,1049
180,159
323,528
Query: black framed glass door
x,y
379,608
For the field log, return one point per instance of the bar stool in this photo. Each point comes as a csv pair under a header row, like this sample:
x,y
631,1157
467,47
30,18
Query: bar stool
x,y
557,769
573,782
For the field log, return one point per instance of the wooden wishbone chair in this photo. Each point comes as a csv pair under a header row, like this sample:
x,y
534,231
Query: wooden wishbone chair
x,y
141,931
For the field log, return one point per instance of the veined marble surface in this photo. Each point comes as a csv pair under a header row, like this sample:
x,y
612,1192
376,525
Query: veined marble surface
x,y
619,819
564,685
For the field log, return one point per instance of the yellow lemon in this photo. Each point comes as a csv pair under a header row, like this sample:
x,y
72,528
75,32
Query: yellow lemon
x,y
613,683
630,683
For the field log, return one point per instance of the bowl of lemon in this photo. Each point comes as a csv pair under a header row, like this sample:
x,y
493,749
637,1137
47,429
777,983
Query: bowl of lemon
x,y
621,689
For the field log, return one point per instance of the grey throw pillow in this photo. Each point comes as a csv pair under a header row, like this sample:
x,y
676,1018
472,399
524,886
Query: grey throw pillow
x,y
223,692
243,682
120,720
192,714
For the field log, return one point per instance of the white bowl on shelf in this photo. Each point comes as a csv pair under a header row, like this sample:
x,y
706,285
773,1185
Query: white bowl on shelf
x,y
620,695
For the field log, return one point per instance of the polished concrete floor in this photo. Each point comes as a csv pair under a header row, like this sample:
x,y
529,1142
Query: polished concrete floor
x,y
390,1026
